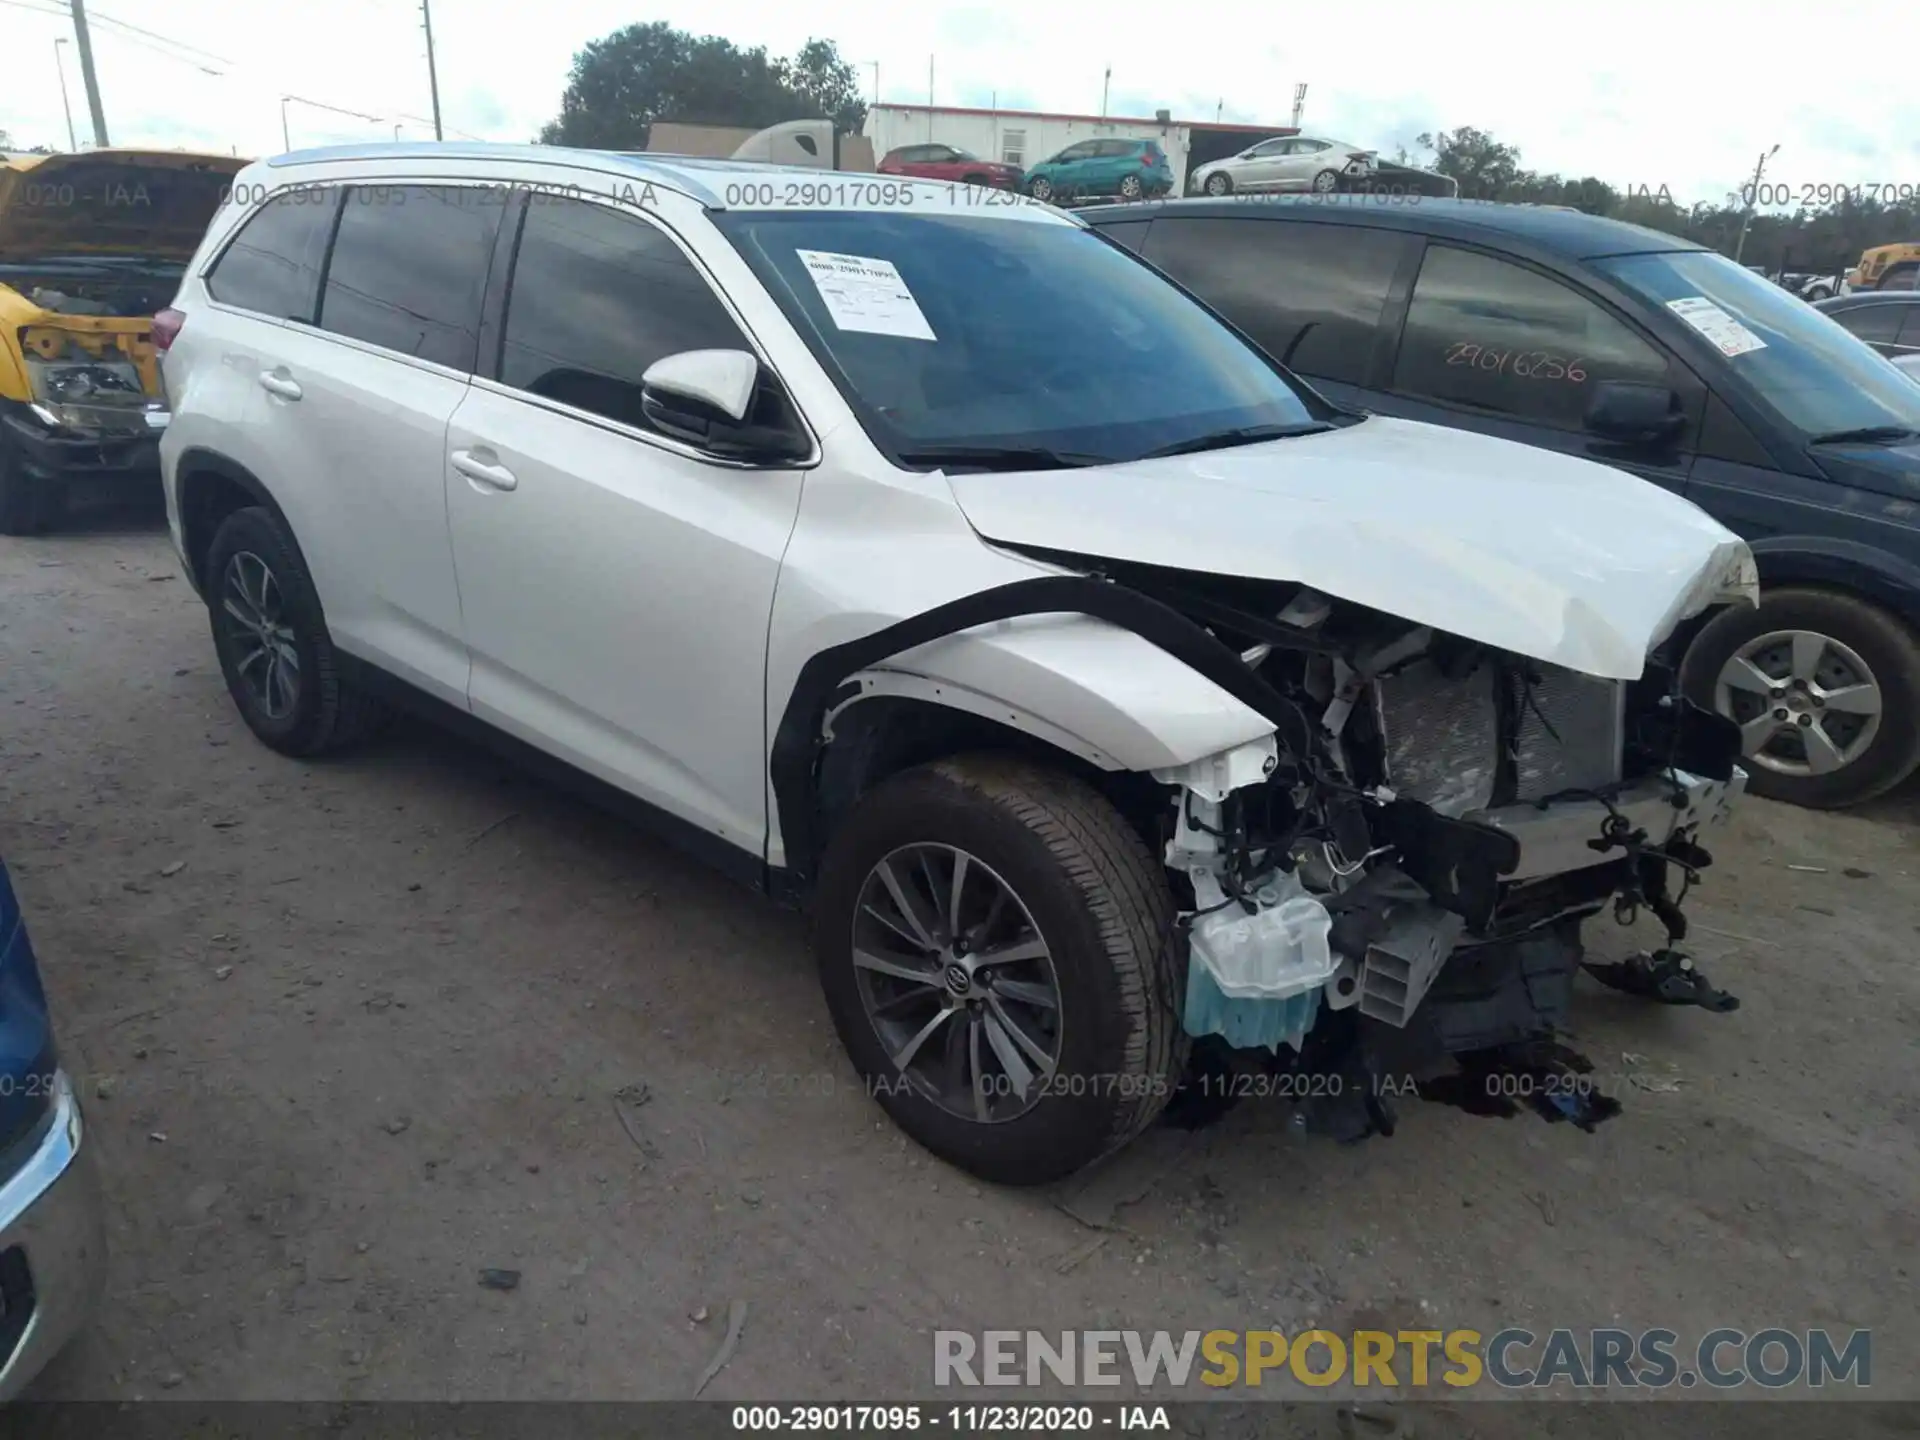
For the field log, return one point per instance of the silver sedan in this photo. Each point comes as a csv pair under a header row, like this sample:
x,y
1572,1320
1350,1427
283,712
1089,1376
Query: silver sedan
x,y
1287,162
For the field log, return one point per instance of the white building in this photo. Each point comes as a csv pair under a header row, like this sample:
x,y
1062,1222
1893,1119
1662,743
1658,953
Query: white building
x,y
1026,137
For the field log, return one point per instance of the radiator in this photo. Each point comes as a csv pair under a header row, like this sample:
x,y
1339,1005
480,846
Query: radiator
x,y
1443,742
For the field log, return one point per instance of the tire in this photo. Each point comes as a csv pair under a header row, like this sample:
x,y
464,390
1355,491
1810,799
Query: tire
x,y
1131,188
1218,184
1326,182
321,711
1041,189
1881,756
28,505
1084,884
1899,277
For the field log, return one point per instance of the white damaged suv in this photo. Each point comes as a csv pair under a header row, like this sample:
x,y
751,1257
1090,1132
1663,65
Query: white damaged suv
x,y
928,561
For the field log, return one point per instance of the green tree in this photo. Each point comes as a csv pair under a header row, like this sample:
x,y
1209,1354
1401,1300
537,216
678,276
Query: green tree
x,y
829,85
1483,167
621,84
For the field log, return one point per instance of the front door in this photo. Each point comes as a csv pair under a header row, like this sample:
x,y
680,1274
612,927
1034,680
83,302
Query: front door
x,y
617,587
1495,346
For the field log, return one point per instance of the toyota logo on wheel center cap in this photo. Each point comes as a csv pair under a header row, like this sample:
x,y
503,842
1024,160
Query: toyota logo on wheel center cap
x,y
959,981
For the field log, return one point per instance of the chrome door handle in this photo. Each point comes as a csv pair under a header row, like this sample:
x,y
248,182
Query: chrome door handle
x,y
497,477
276,382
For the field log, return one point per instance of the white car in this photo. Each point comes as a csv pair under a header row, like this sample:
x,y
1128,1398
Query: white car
x,y
934,564
1288,162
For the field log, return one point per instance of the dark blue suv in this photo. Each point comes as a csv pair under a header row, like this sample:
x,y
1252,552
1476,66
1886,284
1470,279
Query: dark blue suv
x,y
52,1235
1647,352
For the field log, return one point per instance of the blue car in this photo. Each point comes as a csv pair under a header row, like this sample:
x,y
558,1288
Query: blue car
x,y
52,1229
1097,169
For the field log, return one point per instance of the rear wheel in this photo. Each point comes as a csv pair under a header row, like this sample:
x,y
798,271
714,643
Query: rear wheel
x,y
1825,688
1131,188
1326,182
994,943
278,659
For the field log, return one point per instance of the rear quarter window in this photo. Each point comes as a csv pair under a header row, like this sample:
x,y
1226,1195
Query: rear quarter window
x,y
272,266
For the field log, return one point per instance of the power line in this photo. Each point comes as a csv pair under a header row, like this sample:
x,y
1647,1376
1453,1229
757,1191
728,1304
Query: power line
x,y
63,11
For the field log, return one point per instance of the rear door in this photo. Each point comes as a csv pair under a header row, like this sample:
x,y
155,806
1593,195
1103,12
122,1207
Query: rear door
x,y
400,308
1313,295
617,585
1493,345
352,360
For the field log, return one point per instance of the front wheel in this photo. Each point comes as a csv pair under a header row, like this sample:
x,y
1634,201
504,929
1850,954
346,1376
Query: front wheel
x,y
1040,188
1219,183
1825,688
994,943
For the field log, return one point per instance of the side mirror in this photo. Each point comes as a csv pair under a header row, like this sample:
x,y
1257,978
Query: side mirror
x,y
705,398
1628,411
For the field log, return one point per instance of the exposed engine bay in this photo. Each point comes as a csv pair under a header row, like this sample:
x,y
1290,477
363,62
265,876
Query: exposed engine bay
x,y
84,291
1395,886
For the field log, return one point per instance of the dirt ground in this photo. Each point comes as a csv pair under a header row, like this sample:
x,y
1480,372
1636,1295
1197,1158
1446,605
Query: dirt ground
x,y
351,1032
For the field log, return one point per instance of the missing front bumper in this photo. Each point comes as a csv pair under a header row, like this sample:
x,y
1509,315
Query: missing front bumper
x,y
1568,835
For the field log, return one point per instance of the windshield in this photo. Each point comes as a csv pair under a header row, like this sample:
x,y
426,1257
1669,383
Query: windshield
x,y
946,331
1820,379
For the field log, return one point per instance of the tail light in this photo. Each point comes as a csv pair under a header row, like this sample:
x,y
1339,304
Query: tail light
x,y
1148,158
166,325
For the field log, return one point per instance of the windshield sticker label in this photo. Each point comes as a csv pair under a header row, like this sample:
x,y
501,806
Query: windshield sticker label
x,y
865,294
1724,332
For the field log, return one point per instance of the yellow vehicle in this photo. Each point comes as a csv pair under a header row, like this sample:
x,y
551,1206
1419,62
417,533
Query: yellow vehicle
x,y
91,247
1887,267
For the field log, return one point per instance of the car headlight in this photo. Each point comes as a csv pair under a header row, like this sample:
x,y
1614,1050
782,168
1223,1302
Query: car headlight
x,y
89,395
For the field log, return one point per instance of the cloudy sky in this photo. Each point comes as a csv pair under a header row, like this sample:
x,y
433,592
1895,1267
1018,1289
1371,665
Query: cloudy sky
x,y
1675,94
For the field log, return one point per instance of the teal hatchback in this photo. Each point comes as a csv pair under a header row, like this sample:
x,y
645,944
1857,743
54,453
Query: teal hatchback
x,y
1096,169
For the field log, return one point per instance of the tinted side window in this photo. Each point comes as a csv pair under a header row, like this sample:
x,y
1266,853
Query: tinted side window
x,y
408,267
597,297
1876,324
273,265
1910,327
1127,234
1490,334
1314,290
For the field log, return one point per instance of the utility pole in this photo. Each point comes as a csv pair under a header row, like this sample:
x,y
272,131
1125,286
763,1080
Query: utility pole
x,y
1105,86
286,136
84,43
65,104
1299,103
929,97
1753,198
876,82
433,75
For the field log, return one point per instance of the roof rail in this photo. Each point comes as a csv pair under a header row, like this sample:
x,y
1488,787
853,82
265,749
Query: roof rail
x,y
612,162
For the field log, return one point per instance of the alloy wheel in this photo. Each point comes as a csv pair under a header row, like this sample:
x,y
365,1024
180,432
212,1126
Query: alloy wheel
x,y
1325,181
265,657
1805,703
1217,184
957,982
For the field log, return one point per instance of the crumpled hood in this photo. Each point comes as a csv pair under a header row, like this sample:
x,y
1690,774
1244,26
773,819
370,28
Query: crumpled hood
x,y
1545,555
155,204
